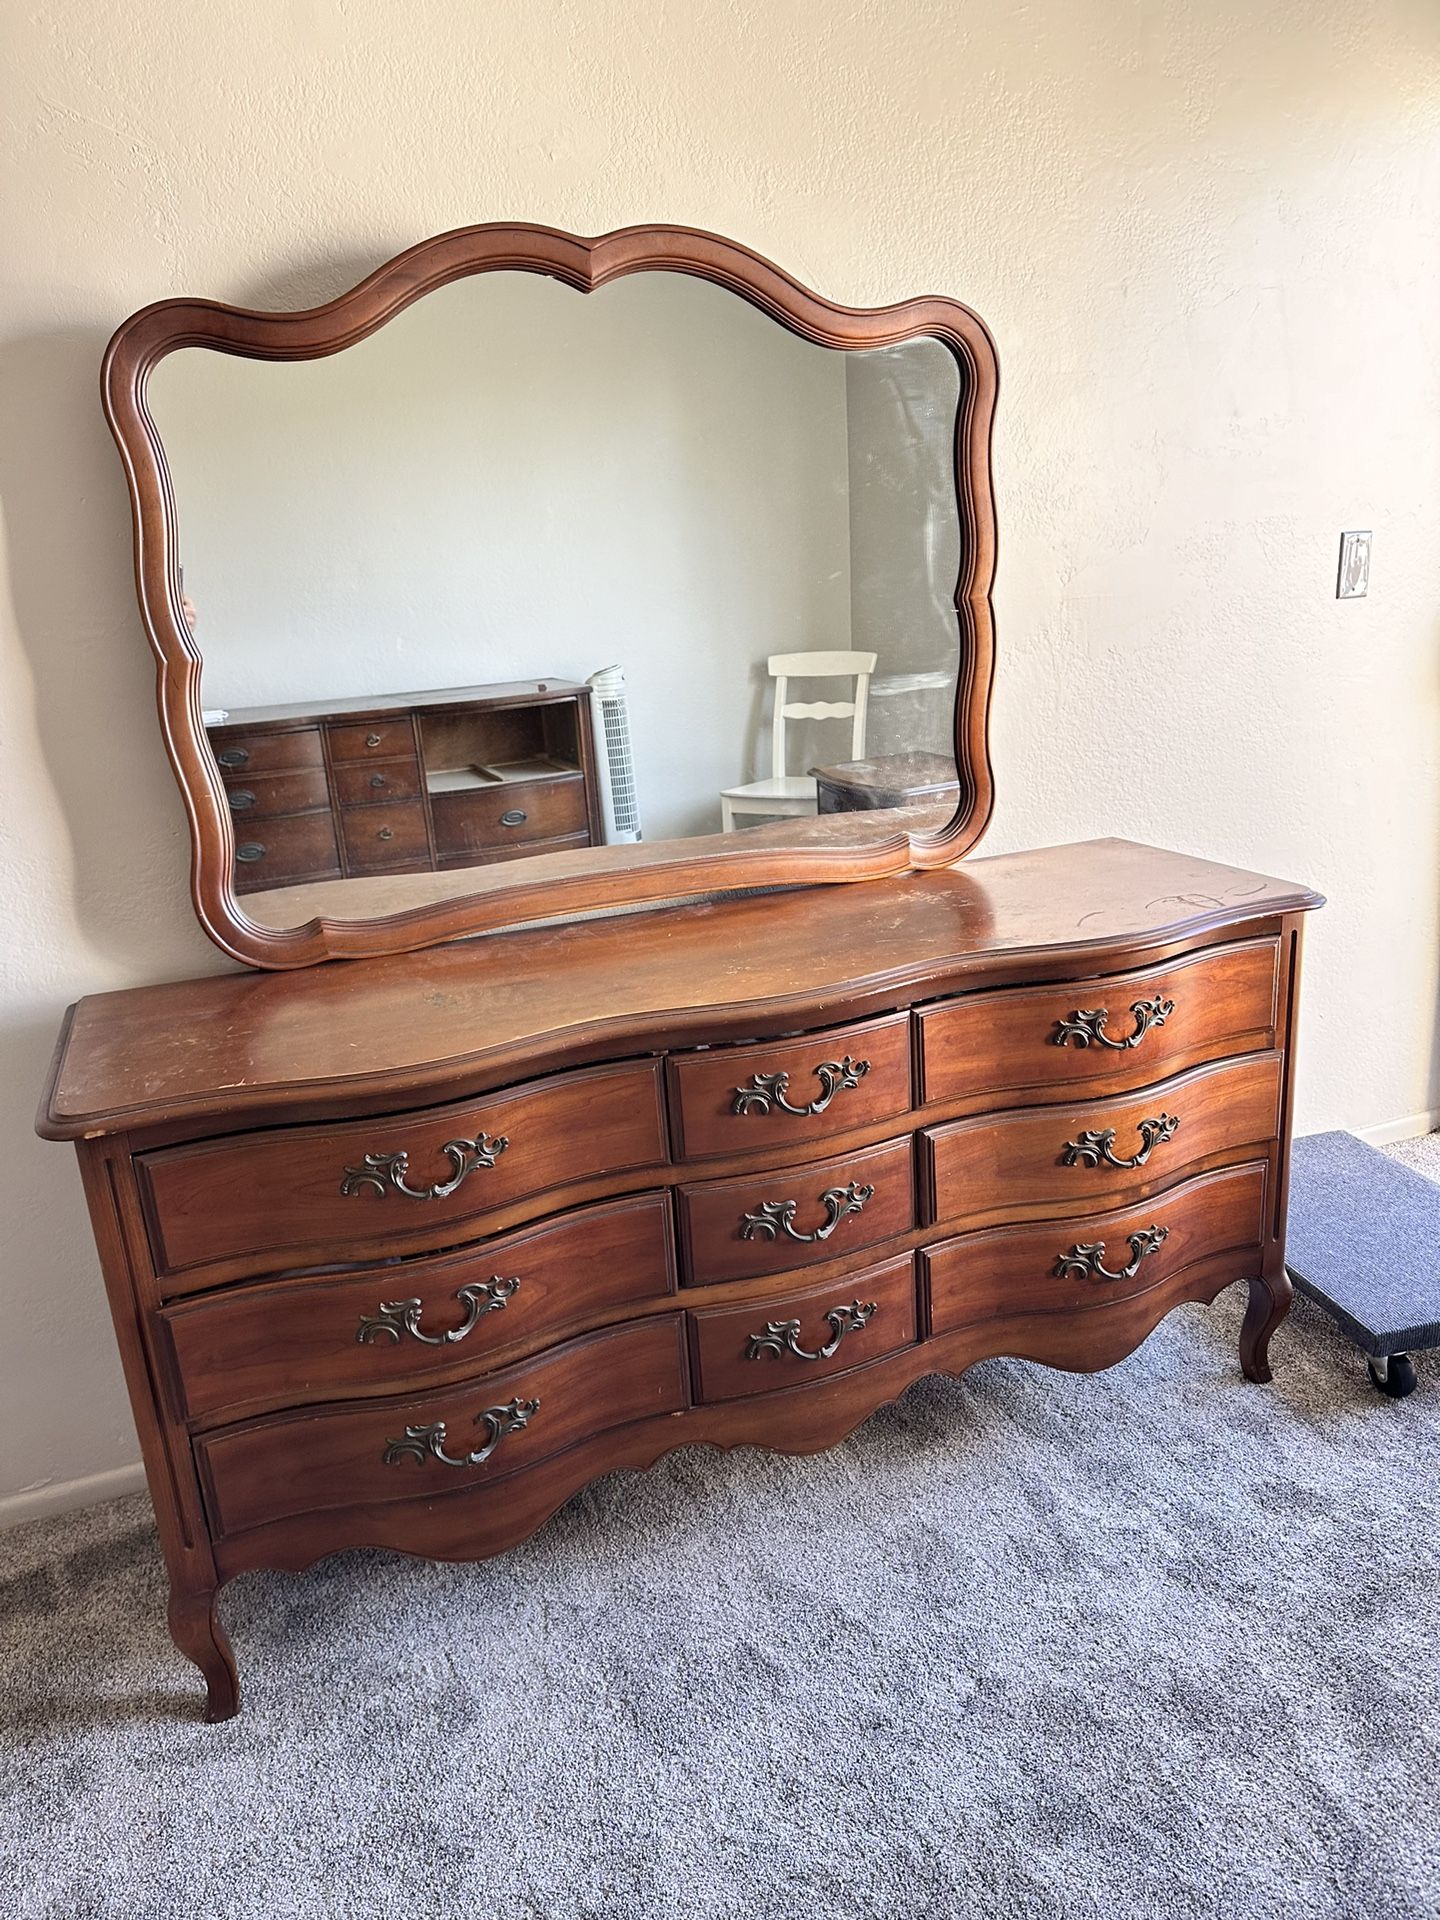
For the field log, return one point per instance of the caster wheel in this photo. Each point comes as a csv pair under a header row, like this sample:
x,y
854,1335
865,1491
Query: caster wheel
x,y
1395,1376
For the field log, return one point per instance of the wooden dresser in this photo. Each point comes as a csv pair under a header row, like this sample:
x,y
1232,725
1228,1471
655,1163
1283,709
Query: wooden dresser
x,y
415,783
402,1253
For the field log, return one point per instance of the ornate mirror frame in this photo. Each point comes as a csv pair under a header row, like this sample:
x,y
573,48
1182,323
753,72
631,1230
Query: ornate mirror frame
x,y
597,877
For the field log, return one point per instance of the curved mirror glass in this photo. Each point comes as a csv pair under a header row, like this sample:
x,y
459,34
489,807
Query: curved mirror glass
x,y
528,573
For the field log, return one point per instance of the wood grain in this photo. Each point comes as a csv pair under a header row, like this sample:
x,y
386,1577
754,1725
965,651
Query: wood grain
x,y
1223,1000
705,1087
714,1213
1006,1162
335,1457
727,1368
993,1274
277,1198
348,1040
280,1343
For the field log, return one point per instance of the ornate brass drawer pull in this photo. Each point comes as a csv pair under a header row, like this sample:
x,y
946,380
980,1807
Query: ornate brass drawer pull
x,y
774,1217
769,1089
1087,1024
783,1336
1088,1261
384,1171
428,1443
1092,1148
398,1317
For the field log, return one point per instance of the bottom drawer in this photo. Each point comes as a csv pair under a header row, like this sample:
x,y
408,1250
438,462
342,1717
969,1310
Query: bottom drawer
x,y
794,1337
376,1451
1089,1261
268,853
380,838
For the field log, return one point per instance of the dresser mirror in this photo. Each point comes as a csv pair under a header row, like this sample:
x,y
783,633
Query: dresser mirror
x,y
477,602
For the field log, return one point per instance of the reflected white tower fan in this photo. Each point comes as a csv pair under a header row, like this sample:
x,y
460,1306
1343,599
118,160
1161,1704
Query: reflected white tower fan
x,y
615,760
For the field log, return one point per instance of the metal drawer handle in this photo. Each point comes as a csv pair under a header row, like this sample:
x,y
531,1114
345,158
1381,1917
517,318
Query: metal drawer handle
x,y
783,1336
769,1089
387,1171
372,739
377,780
1088,1023
1088,1261
1092,1147
386,833
234,756
398,1317
241,799
513,817
774,1217
250,850
428,1443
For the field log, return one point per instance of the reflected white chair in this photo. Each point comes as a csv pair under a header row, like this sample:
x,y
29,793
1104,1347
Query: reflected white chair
x,y
794,793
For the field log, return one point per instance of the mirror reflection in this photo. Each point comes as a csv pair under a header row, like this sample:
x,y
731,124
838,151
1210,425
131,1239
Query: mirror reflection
x,y
528,573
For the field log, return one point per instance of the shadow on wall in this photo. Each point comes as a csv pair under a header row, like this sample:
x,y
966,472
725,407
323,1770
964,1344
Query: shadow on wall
x,y
65,1408
72,586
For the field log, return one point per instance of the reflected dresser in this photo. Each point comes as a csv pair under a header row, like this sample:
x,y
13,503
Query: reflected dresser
x,y
416,783
403,1253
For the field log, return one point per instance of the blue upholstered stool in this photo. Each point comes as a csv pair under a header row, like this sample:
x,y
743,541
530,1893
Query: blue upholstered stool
x,y
1364,1243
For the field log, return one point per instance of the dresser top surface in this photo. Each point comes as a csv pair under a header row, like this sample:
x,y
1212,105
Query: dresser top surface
x,y
506,693
351,1036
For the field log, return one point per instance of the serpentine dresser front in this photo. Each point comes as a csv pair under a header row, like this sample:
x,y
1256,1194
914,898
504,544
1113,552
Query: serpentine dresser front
x,y
402,1253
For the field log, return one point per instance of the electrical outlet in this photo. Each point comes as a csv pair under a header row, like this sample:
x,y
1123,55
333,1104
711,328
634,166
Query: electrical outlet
x,y
1353,582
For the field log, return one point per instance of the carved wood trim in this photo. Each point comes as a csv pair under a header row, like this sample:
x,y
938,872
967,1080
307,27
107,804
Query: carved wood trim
x,y
148,336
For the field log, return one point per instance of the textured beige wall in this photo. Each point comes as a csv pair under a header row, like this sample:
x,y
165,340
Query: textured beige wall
x,y
1205,237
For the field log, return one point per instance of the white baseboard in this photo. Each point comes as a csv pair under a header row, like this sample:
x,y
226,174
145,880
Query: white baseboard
x,y
65,1496
1410,1128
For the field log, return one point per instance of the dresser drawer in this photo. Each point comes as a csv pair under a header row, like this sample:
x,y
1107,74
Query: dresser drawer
x,y
1089,1260
286,750
380,838
272,793
771,1222
734,1099
460,1436
393,1327
1124,1029
509,813
302,1195
299,846
797,1337
1098,1151
372,740
365,786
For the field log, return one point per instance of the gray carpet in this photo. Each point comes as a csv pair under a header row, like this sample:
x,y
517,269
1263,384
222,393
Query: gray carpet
x,y
1153,1643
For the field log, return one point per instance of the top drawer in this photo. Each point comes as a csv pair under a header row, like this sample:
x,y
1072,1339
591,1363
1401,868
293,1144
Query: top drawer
x,y
375,740
730,1099
286,750
1121,1030
306,1195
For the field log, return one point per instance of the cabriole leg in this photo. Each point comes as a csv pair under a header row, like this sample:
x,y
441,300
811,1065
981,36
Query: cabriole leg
x,y
196,1630
1269,1303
